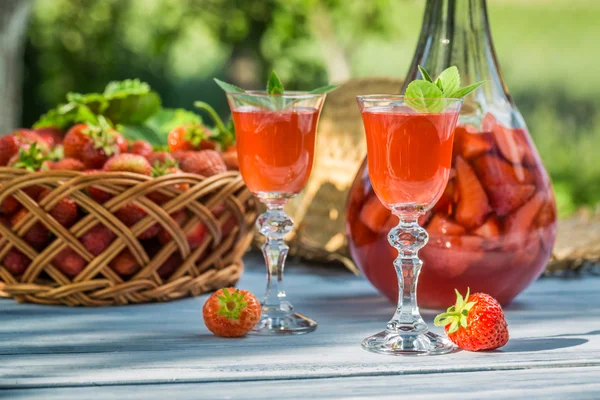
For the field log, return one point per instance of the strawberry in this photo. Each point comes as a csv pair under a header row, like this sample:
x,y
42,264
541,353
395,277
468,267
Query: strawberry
x,y
69,262
547,215
470,144
476,322
444,204
440,225
16,262
521,220
231,312
129,163
120,141
507,198
170,266
166,169
101,147
97,239
74,141
179,218
141,148
51,135
473,206
27,137
68,164
196,235
125,263
190,137
374,214
458,253
230,157
99,195
130,214
493,170
37,236
161,157
65,211
206,163
9,147
30,158
9,206
490,228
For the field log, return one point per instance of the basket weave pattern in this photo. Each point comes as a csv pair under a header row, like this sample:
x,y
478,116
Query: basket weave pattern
x,y
213,264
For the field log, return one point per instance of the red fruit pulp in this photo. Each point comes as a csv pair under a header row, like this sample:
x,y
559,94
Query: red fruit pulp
x,y
499,251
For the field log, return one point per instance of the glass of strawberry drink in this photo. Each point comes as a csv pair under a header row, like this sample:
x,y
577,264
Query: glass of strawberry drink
x,y
409,152
275,143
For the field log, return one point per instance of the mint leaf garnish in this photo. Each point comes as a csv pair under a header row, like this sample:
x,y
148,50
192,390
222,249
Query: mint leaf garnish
x,y
324,89
450,80
462,92
425,74
424,96
228,87
274,85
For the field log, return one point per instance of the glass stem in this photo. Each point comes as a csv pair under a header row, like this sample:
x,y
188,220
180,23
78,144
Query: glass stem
x,y
274,224
407,237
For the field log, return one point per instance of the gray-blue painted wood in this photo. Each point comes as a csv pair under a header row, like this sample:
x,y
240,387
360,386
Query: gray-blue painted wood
x,y
554,348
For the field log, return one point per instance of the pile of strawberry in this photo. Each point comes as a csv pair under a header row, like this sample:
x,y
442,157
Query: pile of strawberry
x,y
94,147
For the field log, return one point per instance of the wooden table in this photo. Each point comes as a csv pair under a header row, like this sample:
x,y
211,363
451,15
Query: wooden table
x,y
164,351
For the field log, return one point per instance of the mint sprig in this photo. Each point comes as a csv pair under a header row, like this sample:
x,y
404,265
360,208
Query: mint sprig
x,y
275,88
425,95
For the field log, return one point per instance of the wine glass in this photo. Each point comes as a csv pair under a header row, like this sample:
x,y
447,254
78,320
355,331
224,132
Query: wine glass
x,y
275,143
409,156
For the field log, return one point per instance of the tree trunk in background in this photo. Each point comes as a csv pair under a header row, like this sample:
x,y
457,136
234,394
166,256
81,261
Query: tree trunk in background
x,y
13,24
334,55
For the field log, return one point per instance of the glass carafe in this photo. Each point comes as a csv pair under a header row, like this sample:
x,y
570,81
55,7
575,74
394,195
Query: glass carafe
x,y
494,227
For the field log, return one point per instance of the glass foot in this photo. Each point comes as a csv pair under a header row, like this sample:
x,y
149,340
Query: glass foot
x,y
288,324
394,343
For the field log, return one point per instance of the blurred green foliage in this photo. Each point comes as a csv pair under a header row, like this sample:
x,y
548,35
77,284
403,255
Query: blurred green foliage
x,y
546,49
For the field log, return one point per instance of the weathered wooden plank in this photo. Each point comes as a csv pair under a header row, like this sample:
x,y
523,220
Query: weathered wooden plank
x,y
573,383
554,324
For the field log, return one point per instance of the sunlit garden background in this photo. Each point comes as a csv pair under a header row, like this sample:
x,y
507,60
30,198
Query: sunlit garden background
x,y
546,49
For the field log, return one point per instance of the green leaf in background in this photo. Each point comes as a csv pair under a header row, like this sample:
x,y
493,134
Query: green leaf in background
x,y
228,87
127,87
274,85
424,96
462,92
450,80
156,129
96,102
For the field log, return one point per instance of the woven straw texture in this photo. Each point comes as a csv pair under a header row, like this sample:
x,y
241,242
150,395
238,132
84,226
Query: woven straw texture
x,y
215,263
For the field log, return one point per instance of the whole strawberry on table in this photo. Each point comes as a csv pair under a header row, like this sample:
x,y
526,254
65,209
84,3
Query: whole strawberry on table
x,y
93,133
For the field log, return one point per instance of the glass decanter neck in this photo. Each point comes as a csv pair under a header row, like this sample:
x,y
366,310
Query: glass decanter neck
x,y
457,32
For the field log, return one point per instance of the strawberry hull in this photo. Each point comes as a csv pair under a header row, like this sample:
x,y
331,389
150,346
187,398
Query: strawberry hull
x,y
493,233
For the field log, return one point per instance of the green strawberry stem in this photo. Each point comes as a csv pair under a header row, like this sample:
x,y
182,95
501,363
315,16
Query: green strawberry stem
x,y
226,137
231,304
456,316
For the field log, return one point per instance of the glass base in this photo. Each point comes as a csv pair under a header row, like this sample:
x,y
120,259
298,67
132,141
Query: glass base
x,y
288,324
394,343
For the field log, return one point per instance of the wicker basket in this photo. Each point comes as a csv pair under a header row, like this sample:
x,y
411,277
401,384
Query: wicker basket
x,y
213,264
